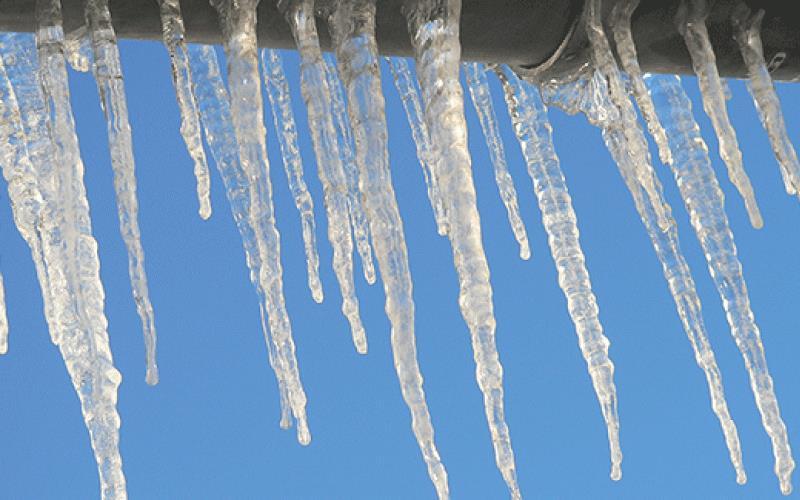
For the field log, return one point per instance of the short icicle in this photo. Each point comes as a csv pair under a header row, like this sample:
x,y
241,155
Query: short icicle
x,y
215,111
358,218
705,202
747,32
691,21
174,34
283,115
635,141
482,100
78,49
353,31
621,29
529,117
238,21
111,87
54,182
406,84
317,96
434,29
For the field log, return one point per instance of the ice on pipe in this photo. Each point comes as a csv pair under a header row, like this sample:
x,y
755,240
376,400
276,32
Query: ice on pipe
x,y
482,100
691,21
111,87
283,115
747,32
353,32
406,83
532,127
52,188
317,96
689,307
705,203
238,22
434,29
623,38
358,218
215,111
174,34
635,143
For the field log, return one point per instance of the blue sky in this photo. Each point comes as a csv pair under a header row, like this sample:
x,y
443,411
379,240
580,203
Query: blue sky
x,y
210,428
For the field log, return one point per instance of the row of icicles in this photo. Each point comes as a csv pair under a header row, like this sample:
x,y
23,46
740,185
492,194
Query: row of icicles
x,y
42,165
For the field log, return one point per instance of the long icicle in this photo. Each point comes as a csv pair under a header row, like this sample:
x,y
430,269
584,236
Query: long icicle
x,y
434,29
529,117
482,101
174,34
623,38
705,202
635,141
691,21
283,116
238,20
747,32
353,32
214,105
406,84
317,96
76,318
358,218
111,87
690,311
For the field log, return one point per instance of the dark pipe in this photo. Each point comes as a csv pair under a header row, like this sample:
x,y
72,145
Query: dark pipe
x,y
523,33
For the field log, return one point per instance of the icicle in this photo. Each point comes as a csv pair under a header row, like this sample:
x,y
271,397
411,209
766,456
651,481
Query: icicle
x,y
705,202
78,49
602,112
317,96
358,218
353,32
534,132
214,106
238,20
621,29
482,100
634,138
280,100
3,319
172,27
692,26
406,85
434,29
69,251
110,86
747,32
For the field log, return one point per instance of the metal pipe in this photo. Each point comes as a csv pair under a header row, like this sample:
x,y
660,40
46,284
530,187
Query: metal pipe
x,y
522,33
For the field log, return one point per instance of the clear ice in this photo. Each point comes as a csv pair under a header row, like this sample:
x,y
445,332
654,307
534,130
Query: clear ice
x,y
705,203
174,33
406,84
317,96
238,22
283,115
347,149
482,100
215,112
353,32
434,29
691,21
44,172
747,32
532,127
111,87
